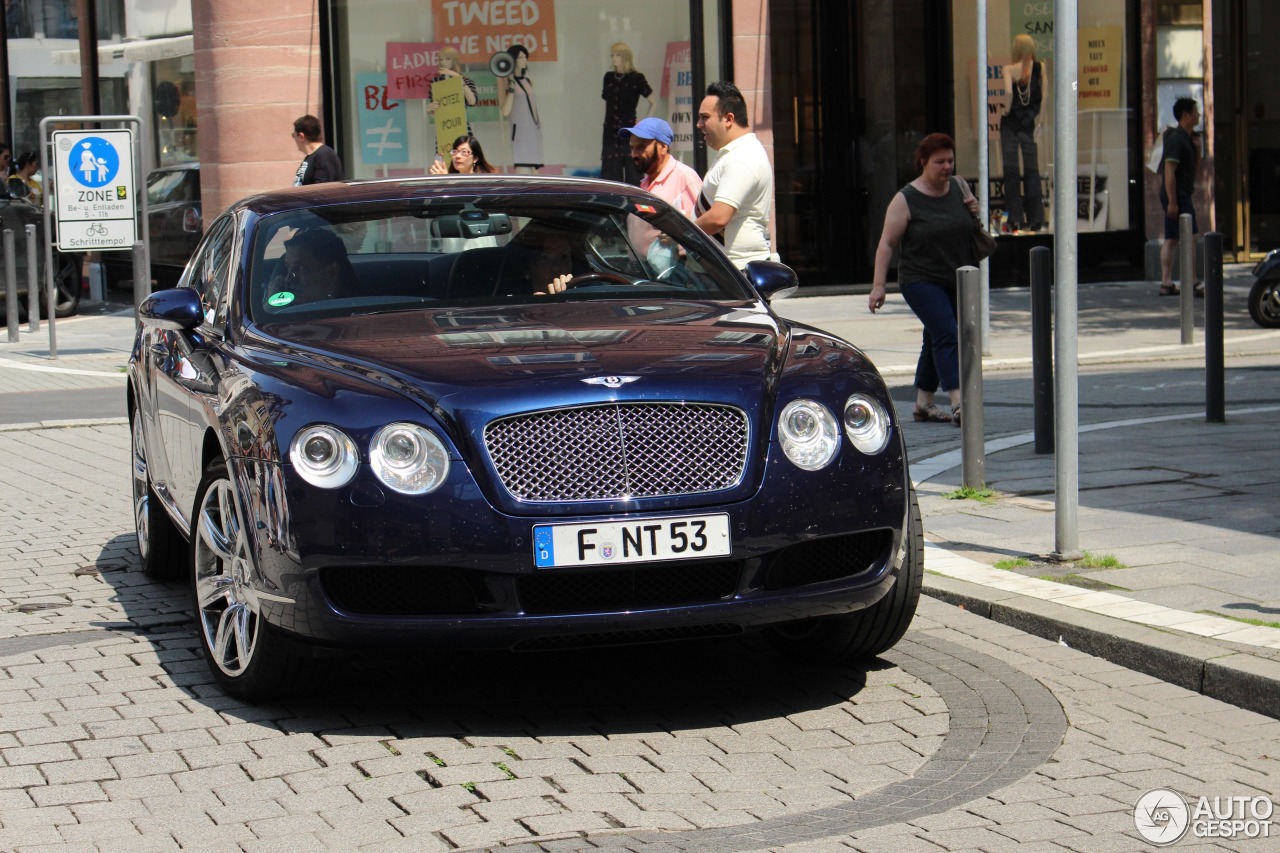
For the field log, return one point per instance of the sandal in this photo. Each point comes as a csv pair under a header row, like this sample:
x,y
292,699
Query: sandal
x,y
955,414
930,414
1199,290
1169,290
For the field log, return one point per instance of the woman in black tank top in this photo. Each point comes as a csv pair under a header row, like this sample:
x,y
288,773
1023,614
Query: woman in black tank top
x,y
1024,81
930,223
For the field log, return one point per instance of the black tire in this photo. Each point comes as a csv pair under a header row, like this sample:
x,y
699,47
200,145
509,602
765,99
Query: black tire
x,y
247,657
1264,303
868,632
160,546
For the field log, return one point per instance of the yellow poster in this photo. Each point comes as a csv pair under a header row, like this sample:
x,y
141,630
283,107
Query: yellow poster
x,y
1101,52
451,112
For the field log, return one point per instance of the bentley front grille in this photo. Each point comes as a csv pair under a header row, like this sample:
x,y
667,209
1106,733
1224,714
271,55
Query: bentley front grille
x,y
619,450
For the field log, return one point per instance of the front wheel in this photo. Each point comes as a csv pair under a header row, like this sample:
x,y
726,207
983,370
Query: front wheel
x,y
1264,303
868,632
246,656
159,542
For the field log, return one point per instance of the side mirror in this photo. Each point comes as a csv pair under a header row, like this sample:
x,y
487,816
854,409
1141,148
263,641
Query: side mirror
x,y
176,309
772,280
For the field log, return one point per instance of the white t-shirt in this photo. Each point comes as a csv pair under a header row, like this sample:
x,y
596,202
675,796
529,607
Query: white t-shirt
x,y
742,178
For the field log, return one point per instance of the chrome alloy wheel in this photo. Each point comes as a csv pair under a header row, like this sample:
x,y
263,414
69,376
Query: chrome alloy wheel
x,y
228,607
141,491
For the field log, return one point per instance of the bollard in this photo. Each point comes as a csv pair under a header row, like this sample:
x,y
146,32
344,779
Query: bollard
x,y
969,287
1187,267
1215,382
1042,346
11,288
33,282
141,275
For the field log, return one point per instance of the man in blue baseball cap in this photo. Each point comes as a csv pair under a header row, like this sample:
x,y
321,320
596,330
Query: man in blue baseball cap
x,y
663,175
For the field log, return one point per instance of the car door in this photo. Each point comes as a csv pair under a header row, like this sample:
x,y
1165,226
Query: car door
x,y
180,368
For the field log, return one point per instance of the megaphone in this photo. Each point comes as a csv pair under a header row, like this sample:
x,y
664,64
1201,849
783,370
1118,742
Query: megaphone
x,y
502,64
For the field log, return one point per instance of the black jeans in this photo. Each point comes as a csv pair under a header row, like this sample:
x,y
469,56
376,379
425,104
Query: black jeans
x,y
1021,185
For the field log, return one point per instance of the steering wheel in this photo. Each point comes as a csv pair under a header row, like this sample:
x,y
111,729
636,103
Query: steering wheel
x,y
594,277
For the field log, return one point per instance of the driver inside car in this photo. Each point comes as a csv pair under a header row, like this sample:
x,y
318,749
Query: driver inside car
x,y
315,268
550,264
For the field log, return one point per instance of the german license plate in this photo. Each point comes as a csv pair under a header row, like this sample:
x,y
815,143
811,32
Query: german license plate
x,y
643,541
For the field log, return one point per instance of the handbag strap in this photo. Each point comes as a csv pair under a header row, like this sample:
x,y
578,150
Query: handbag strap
x,y
964,186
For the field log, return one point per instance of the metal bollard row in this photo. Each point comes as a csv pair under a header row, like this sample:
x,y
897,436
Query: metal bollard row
x,y
969,285
10,287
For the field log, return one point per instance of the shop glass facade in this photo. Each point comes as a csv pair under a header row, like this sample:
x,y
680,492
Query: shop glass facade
x,y
396,111
1108,126
173,106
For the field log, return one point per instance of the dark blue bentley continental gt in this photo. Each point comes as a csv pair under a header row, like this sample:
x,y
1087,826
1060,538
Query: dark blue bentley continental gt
x,y
506,413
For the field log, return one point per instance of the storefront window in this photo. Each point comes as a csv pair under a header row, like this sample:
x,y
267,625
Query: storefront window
x,y
1021,144
38,97
58,19
531,80
173,100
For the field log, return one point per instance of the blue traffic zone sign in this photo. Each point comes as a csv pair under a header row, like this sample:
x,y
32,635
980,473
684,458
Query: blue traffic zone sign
x,y
93,162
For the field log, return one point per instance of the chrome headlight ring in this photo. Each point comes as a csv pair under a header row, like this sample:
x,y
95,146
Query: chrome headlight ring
x,y
408,458
866,423
808,434
324,456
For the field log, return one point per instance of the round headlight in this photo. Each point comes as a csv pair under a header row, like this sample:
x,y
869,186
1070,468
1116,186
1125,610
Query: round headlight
x,y
866,423
409,458
808,434
324,456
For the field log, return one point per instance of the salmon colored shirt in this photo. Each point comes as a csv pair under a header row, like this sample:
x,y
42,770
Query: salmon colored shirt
x,y
678,185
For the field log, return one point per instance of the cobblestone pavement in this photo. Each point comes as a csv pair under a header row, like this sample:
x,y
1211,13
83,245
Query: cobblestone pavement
x,y
968,736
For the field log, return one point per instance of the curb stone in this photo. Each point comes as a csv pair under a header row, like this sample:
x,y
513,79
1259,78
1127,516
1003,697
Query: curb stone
x,y
1242,680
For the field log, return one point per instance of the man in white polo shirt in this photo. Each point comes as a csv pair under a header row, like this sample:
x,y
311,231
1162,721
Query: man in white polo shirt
x,y
737,191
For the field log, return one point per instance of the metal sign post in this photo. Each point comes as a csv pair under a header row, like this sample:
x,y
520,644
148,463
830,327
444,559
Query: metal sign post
x,y
95,192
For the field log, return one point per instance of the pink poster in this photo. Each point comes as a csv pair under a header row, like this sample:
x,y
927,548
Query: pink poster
x,y
410,67
678,53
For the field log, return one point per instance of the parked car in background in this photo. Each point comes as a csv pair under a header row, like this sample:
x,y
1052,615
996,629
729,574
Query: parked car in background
x,y
175,223
16,213
480,412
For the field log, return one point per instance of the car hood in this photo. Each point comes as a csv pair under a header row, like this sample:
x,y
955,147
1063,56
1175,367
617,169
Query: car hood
x,y
519,358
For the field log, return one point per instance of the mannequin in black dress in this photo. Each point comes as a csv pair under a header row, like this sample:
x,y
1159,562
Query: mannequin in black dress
x,y
622,90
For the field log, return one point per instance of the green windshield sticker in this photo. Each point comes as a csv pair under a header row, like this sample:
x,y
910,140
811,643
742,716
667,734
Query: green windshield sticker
x,y
277,300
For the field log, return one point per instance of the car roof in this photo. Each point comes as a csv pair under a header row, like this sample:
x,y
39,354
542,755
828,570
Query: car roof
x,y
405,189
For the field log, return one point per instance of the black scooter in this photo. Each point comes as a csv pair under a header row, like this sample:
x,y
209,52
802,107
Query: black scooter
x,y
1264,296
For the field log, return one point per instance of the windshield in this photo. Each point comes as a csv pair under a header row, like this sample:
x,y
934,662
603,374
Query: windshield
x,y
483,251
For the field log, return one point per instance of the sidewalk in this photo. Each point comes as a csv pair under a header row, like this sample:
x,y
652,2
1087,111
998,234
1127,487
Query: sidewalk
x,y
1189,509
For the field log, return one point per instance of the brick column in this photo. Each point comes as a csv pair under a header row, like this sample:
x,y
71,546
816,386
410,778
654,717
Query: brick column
x,y
257,69
753,74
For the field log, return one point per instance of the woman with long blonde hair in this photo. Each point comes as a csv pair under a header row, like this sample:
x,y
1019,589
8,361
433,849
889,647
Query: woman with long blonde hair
x,y
1024,82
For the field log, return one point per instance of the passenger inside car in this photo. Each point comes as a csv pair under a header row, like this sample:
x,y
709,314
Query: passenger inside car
x,y
315,268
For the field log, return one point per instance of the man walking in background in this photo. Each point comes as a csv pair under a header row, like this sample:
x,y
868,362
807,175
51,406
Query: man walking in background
x,y
1177,186
320,163
738,190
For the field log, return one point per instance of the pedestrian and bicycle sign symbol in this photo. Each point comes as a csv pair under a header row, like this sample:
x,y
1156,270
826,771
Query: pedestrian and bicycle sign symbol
x,y
95,189
94,162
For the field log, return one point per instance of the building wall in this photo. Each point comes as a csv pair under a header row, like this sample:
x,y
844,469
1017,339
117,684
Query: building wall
x,y
257,69
753,74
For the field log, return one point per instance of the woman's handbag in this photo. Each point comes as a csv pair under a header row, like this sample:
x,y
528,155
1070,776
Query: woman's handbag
x,y
984,245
